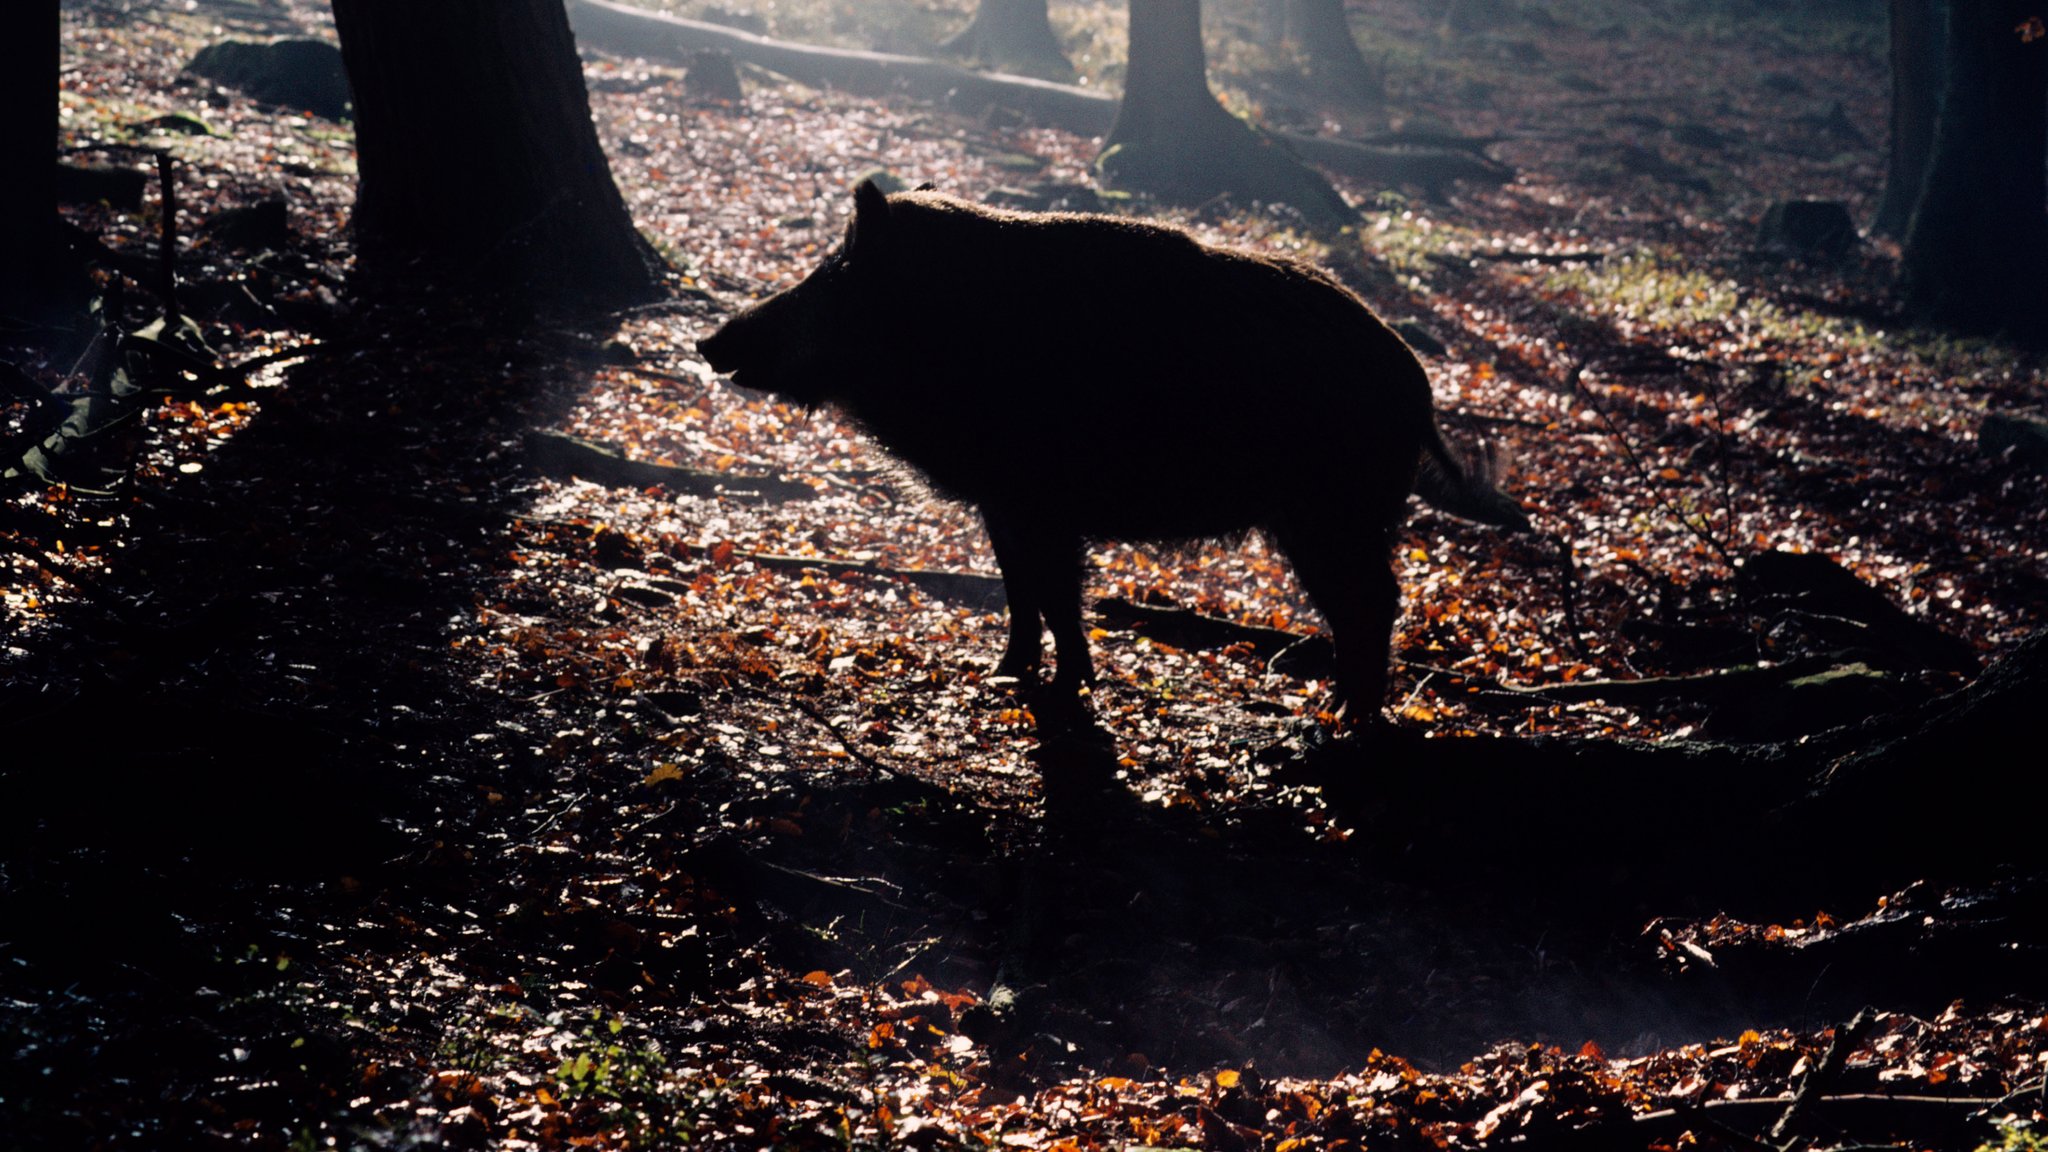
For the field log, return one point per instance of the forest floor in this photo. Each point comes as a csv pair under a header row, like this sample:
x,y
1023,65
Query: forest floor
x,y
374,780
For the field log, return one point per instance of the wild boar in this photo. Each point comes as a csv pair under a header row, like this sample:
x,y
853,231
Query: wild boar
x,y
1095,377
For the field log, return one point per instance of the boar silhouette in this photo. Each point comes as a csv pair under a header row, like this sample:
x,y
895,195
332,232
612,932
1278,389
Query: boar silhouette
x,y
1084,376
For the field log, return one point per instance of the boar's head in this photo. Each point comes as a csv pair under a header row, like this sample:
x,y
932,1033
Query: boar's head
x,y
812,342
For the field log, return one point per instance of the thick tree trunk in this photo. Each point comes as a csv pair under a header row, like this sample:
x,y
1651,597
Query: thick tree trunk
x,y
1976,256
1318,30
1013,36
1172,139
1917,50
1166,84
28,155
478,160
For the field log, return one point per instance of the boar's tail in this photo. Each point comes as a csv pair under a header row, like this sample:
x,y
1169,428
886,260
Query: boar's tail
x,y
1448,483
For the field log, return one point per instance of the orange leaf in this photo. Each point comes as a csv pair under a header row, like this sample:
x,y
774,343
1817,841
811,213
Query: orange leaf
x,y
662,771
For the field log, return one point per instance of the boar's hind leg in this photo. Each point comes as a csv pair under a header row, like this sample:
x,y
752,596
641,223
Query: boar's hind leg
x,y
1344,568
1042,578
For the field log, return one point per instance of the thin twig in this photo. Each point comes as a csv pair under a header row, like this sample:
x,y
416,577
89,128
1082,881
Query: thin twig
x,y
1417,691
167,246
1723,463
1823,1073
1576,382
851,749
1572,585
564,810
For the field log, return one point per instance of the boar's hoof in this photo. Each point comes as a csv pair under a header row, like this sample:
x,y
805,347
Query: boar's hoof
x,y
1072,683
1015,667
1076,685
1359,713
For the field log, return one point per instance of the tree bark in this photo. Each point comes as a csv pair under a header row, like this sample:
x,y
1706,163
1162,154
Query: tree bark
x,y
1173,140
1976,258
1166,83
478,160
29,53
1916,56
1318,30
1013,36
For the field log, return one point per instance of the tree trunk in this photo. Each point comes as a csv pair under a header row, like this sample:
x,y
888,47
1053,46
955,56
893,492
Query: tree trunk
x,y
1916,52
1976,258
1318,30
1166,82
478,161
1173,140
28,155
1013,36
1272,25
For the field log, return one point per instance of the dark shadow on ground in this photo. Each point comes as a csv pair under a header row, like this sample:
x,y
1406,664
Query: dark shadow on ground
x,y
249,725
1134,935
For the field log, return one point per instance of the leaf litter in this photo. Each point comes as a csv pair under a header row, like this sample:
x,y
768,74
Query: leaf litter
x,y
696,846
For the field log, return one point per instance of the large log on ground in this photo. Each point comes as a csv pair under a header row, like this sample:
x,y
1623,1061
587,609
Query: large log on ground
x,y
638,31
629,30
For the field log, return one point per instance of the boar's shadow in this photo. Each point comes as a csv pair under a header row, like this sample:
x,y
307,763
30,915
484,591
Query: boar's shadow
x,y
1205,937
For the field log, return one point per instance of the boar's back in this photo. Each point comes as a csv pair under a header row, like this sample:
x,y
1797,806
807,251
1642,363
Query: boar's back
x,y
1126,379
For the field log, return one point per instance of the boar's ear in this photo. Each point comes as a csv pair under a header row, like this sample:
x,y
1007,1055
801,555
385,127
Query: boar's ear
x,y
870,221
927,186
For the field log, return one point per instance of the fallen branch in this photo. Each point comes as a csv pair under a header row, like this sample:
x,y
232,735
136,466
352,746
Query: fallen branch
x,y
639,31
1428,167
627,29
734,867
1513,256
1187,628
167,241
560,454
1843,1042
1705,687
1938,1120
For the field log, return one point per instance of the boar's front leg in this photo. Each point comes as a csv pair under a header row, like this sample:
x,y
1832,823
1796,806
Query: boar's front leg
x,y
1344,567
1042,578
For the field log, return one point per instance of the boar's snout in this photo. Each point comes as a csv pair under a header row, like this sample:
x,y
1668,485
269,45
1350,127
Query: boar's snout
x,y
753,354
788,344
755,351
720,349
